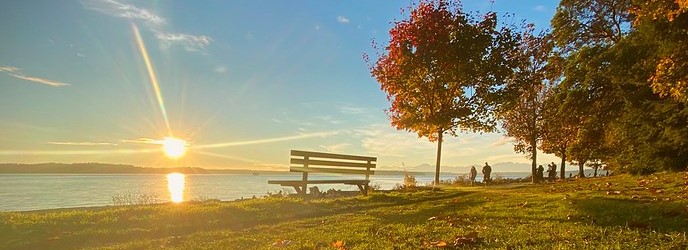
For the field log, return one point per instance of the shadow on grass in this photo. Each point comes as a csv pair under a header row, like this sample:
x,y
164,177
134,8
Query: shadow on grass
x,y
438,206
617,212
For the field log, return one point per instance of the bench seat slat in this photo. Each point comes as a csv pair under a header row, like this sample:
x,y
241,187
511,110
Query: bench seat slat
x,y
331,163
332,156
328,163
330,170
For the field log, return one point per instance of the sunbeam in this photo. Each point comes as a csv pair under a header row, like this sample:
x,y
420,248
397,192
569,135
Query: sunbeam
x,y
153,77
177,146
261,141
224,156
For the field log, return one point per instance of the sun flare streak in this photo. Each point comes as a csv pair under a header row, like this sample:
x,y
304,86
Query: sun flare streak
x,y
262,141
151,74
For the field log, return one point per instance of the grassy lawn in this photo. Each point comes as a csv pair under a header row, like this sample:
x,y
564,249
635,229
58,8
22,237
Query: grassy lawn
x,y
619,212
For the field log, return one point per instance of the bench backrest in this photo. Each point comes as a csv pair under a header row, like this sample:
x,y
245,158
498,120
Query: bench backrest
x,y
317,162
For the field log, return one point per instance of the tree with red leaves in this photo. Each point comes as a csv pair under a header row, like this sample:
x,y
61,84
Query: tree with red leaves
x,y
442,70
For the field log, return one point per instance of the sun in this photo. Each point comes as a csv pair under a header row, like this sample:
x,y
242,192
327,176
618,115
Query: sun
x,y
174,148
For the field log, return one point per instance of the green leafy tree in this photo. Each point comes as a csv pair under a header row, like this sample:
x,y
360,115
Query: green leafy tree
x,y
522,111
559,130
625,77
586,31
440,70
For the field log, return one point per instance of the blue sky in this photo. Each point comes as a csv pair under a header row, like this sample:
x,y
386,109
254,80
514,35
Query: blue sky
x,y
243,81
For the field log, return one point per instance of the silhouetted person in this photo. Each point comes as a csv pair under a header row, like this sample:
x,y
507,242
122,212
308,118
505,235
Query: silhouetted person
x,y
553,175
486,173
540,173
472,174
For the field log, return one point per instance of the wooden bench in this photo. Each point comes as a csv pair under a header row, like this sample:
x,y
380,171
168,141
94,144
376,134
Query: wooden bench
x,y
317,162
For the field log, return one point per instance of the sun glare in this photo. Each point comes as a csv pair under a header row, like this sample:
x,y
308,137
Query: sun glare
x,y
173,147
175,184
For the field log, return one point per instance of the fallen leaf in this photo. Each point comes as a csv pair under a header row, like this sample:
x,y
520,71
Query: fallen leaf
x,y
439,243
340,244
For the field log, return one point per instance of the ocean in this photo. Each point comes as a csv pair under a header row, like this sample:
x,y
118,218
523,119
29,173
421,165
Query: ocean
x,y
23,192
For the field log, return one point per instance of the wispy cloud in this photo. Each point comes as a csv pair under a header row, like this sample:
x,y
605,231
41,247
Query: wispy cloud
x,y
141,141
339,147
343,19
540,8
220,69
81,143
502,141
155,23
189,42
16,73
123,10
349,110
8,69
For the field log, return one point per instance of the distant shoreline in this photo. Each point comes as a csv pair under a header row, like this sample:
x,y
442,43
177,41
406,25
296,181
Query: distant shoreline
x,y
105,168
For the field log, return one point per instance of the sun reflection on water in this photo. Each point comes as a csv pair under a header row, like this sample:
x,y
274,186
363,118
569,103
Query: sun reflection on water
x,y
175,184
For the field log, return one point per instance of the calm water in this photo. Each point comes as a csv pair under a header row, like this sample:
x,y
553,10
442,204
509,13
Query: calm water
x,y
20,192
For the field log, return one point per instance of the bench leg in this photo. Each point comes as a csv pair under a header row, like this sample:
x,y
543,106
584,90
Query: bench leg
x,y
363,188
298,190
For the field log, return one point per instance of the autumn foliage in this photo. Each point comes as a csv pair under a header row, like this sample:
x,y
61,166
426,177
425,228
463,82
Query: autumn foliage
x,y
440,70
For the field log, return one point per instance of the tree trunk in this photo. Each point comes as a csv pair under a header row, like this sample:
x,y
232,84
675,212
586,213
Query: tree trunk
x,y
533,144
439,155
562,173
581,174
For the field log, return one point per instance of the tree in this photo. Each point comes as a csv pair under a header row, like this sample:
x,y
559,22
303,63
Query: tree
x,y
522,111
586,31
578,23
667,21
440,70
625,77
560,129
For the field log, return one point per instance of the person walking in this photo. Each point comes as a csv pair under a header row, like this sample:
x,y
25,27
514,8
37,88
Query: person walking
x,y
486,173
472,174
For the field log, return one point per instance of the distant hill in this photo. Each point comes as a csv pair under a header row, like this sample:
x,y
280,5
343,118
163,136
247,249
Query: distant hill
x,y
104,168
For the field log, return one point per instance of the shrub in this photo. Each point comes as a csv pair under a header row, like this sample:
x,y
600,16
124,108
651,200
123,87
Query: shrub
x,y
409,180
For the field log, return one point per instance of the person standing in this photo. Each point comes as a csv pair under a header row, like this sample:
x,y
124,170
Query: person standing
x,y
486,173
540,172
472,174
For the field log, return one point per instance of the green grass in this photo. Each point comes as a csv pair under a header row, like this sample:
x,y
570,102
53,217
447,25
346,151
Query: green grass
x,y
619,212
